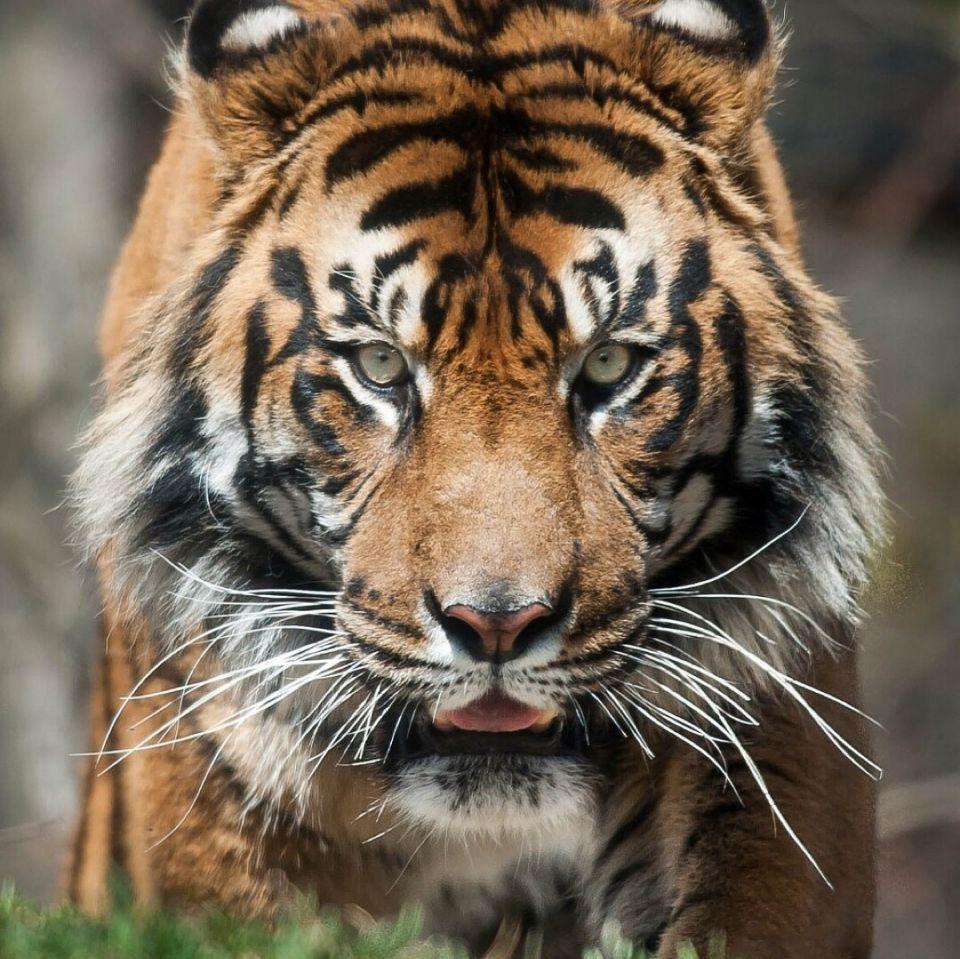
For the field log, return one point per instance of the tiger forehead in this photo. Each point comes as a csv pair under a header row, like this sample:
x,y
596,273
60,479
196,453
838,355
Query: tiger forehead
x,y
486,210
447,188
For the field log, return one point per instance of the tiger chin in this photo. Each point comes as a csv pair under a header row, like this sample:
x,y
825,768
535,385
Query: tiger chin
x,y
482,489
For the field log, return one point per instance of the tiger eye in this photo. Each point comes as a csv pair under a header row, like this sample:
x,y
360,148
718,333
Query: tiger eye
x,y
382,364
607,365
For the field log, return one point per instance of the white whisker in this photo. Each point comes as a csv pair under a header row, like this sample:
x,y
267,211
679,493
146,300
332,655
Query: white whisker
x,y
672,590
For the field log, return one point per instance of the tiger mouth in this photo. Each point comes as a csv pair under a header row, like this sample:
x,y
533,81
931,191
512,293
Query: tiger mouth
x,y
553,734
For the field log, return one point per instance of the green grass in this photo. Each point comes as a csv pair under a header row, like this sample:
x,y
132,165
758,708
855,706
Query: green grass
x,y
62,933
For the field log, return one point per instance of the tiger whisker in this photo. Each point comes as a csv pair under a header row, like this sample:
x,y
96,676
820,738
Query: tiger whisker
x,y
111,726
613,719
583,719
714,634
371,723
235,719
666,720
349,731
396,727
684,676
628,719
294,659
196,797
311,722
413,856
269,606
385,832
344,728
338,693
682,659
674,590
771,802
226,590
765,601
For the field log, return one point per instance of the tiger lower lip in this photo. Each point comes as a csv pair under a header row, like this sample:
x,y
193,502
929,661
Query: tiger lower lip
x,y
496,713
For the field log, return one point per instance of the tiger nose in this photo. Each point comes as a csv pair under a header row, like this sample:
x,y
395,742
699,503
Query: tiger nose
x,y
498,636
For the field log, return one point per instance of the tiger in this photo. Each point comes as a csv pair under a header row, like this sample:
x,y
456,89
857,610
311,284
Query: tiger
x,y
482,493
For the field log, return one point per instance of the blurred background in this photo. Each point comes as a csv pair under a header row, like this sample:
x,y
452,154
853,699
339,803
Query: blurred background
x,y
868,116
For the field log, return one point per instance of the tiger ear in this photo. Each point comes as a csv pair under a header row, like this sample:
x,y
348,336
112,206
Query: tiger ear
x,y
250,67
714,61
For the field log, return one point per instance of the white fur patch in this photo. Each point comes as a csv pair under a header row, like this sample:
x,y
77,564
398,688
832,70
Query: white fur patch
x,y
701,18
258,28
474,798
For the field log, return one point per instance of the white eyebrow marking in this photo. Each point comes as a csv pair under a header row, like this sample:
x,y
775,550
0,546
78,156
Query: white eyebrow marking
x,y
699,17
257,28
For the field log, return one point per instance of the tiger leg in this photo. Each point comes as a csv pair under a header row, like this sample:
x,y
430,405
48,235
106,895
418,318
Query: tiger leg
x,y
144,815
110,831
686,860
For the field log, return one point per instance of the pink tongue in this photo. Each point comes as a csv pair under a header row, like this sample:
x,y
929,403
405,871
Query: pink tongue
x,y
494,713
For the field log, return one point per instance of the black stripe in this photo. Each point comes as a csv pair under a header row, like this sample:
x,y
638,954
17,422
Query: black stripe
x,y
577,206
803,407
359,102
752,35
302,396
639,820
602,96
250,483
451,270
210,21
317,383
289,275
388,655
343,280
731,335
753,22
693,279
360,152
180,433
417,201
176,509
603,267
636,154
480,67
385,265
542,159
335,485
530,284
190,335
693,530
644,288
488,21
384,622
713,821
254,366
618,882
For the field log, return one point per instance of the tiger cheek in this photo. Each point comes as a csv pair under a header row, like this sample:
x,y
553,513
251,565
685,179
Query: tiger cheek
x,y
613,553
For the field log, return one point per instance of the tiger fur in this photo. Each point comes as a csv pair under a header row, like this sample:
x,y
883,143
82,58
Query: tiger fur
x,y
492,192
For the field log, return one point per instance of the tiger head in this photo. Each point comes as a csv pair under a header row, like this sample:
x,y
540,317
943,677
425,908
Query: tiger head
x,y
490,413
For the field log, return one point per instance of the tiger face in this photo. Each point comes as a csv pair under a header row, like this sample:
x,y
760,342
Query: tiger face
x,y
489,336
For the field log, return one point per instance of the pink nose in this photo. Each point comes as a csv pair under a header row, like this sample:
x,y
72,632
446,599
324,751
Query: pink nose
x,y
498,631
